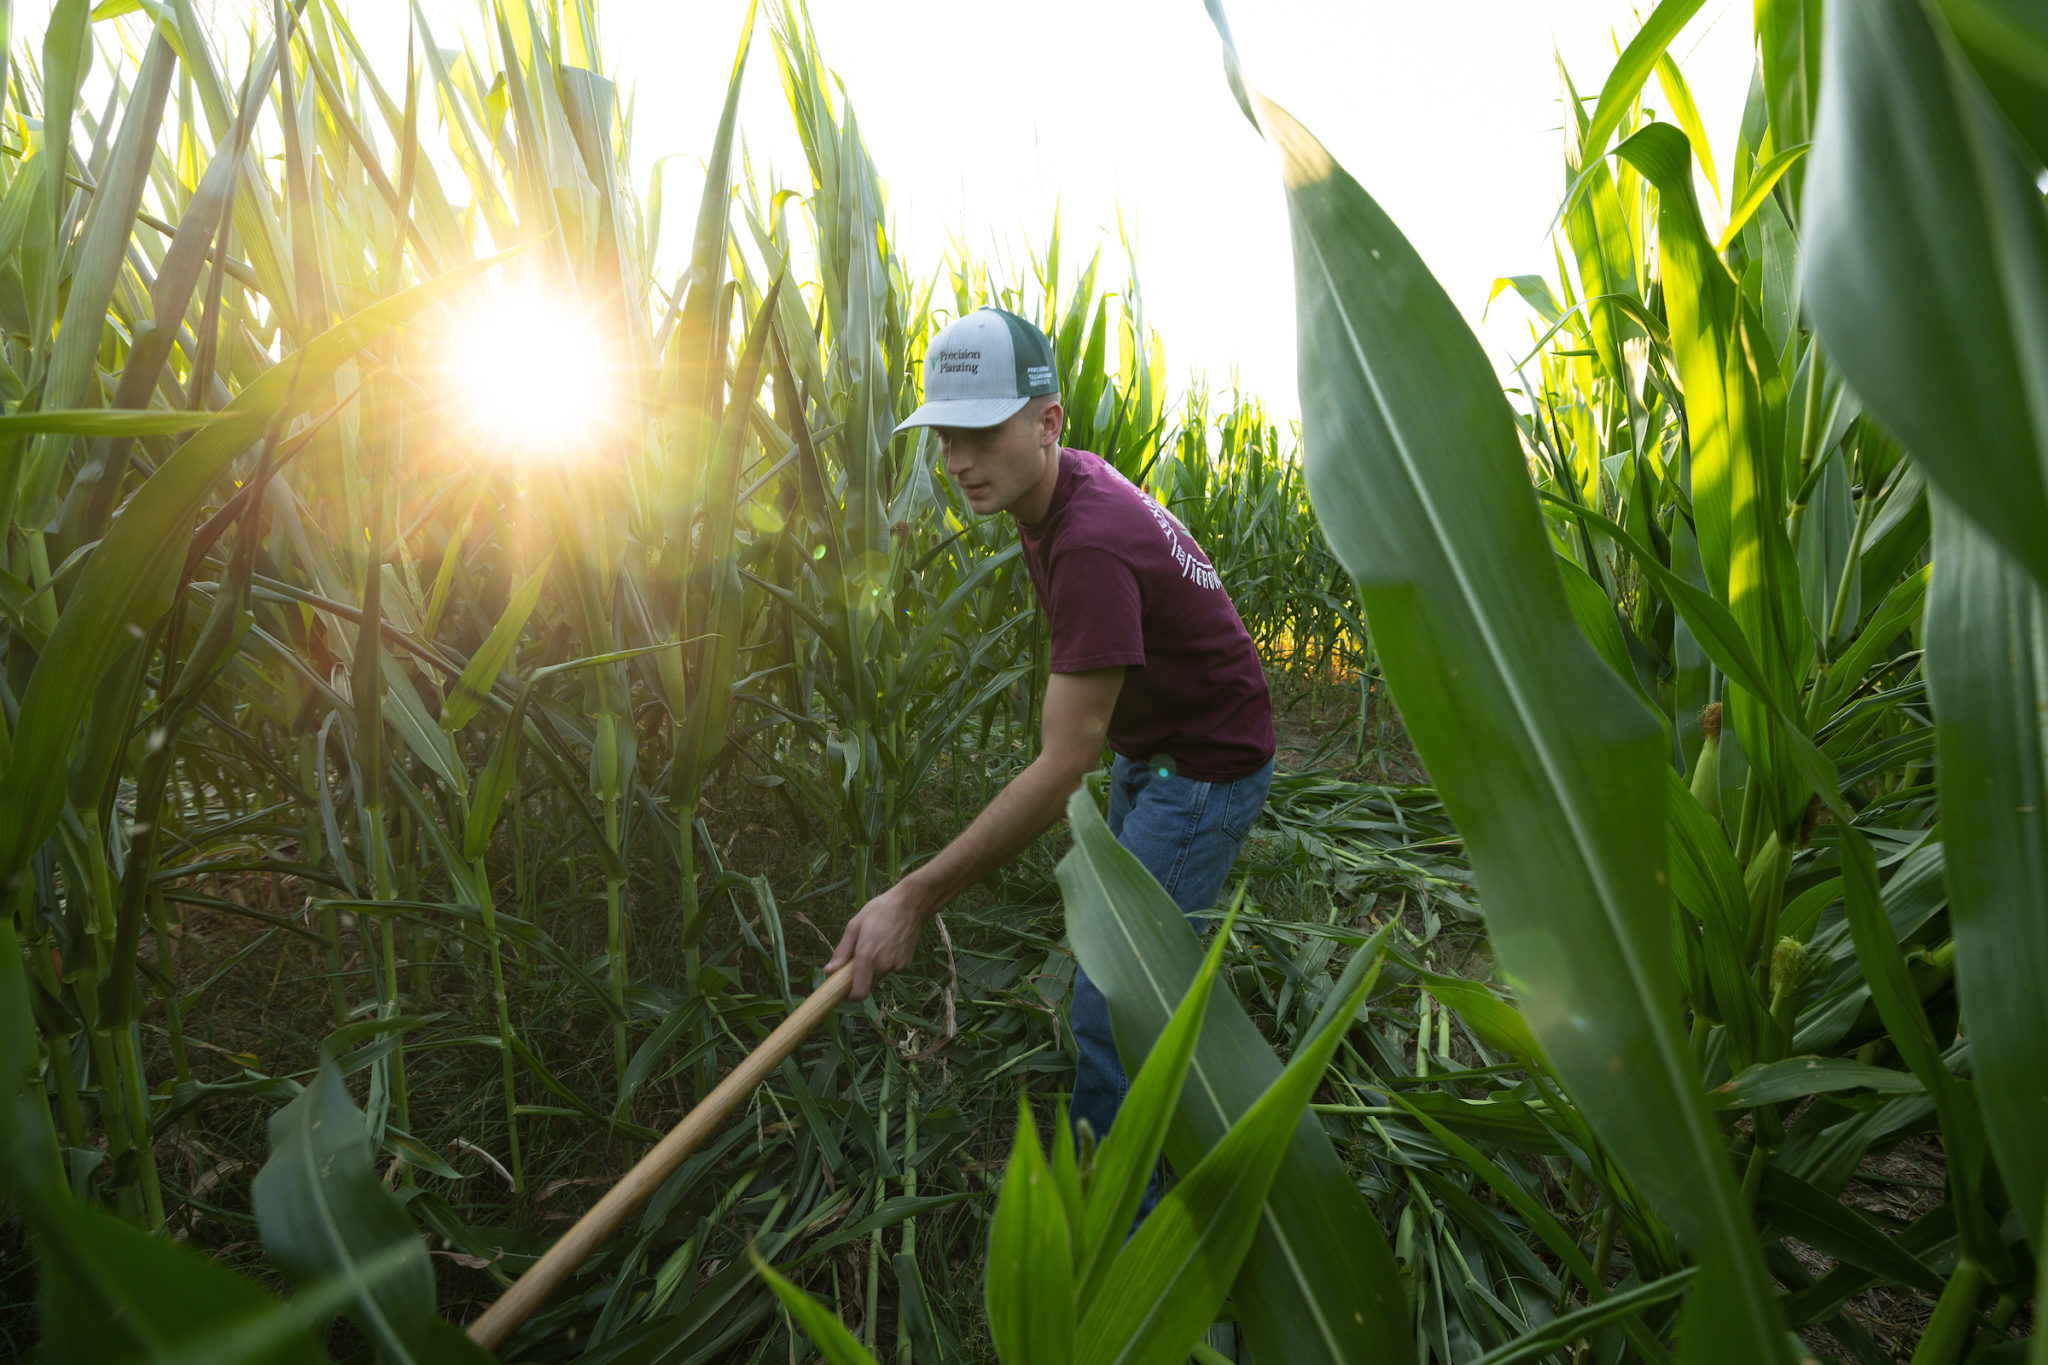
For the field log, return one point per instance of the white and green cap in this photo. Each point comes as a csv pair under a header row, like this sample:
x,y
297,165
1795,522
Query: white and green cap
x,y
981,369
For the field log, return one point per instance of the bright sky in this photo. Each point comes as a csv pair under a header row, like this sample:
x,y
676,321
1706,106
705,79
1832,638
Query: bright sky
x,y
982,118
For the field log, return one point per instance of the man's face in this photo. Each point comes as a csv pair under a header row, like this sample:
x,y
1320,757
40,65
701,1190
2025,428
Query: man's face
x,y
995,466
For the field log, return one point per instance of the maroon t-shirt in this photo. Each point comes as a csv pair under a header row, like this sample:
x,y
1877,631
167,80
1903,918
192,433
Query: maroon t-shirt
x,y
1122,582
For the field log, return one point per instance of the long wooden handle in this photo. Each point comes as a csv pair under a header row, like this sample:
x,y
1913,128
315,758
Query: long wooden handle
x,y
531,1290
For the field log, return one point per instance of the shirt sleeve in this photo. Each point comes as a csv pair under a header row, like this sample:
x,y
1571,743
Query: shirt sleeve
x,y
1096,616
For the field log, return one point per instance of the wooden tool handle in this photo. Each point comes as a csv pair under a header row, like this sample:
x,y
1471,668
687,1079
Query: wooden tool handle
x,y
531,1290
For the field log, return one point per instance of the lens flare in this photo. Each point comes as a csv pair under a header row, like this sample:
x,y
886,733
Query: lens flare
x,y
534,375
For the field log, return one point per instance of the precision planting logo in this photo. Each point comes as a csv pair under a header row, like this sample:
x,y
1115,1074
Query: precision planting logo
x,y
959,362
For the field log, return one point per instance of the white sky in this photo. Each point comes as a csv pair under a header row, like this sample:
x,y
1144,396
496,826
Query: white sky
x,y
982,117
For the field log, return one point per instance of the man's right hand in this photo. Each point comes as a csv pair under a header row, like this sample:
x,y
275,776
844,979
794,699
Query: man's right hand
x,y
881,938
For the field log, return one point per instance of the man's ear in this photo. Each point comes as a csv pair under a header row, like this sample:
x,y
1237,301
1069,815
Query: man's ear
x,y
1052,419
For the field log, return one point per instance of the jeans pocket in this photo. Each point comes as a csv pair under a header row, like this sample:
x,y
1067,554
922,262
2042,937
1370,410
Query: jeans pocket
x,y
1243,801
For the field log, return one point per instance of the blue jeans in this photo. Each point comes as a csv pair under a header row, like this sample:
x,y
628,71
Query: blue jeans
x,y
1187,834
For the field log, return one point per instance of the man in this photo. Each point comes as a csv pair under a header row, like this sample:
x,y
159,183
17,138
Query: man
x,y
1147,652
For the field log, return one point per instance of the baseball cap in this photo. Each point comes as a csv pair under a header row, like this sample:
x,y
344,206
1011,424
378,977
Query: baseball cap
x,y
980,370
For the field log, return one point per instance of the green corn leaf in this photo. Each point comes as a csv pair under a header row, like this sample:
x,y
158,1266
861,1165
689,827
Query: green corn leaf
x,y
96,264
815,1320
1128,1155
30,1168
502,768
653,1049
1824,547
1534,290
1584,1322
914,1313
892,1212
1838,1230
1598,232
1720,635
1030,1259
1761,182
1540,1220
1898,1004
1913,181
698,296
1638,59
1508,1123
1802,912
323,1213
1497,1023
1706,881
2007,42
105,422
1066,1175
1164,1287
1679,96
1897,614
494,783
483,667
113,1292
1797,1077
405,712
2037,1354
1418,480
704,729
1594,612
1987,667
1788,52
274,1333
67,60
1320,1283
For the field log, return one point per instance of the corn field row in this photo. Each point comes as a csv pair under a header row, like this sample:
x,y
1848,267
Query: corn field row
x,y
405,814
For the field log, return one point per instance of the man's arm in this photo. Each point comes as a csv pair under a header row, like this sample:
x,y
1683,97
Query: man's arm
x,y
882,937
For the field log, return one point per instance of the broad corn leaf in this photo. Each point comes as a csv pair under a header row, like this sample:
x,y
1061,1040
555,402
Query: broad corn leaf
x,y
1638,59
1679,95
324,1213
105,421
1548,762
1495,1021
484,665
1319,1284
1761,183
1129,1153
1987,664
1913,181
1031,1259
814,1319
1166,1285
1787,39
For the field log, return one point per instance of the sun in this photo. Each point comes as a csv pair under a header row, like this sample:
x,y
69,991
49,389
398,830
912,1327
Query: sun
x,y
534,376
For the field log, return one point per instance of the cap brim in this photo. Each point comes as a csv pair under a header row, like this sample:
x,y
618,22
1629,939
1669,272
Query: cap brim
x,y
964,412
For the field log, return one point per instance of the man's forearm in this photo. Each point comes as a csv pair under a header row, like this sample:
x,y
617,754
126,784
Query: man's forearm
x,y
1024,809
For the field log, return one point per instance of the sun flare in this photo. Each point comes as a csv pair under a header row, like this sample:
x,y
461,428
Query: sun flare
x,y
535,376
